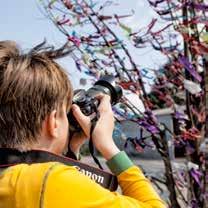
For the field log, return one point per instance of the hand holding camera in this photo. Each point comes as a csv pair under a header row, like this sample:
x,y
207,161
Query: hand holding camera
x,y
102,96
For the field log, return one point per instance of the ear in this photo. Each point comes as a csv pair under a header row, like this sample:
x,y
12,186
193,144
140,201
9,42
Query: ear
x,y
53,124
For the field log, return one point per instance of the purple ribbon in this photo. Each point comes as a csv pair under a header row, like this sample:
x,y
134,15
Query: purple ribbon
x,y
151,128
196,176
190,68
202,7
179,116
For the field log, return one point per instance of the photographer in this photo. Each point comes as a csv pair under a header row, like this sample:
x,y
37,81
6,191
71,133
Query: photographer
x,y
35,97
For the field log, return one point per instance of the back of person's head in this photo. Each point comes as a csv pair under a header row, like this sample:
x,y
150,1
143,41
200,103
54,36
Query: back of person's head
x,y
31,86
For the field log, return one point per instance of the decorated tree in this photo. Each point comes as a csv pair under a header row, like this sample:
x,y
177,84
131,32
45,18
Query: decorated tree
x,y
103,44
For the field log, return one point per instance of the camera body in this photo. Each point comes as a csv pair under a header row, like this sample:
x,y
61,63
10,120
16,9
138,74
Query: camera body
x,y
86,99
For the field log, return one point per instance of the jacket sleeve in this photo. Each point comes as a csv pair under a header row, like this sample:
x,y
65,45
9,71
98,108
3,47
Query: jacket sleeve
x,y
132,181
66,187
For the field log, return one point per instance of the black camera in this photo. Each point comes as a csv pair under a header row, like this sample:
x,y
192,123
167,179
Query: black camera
x,y
87,101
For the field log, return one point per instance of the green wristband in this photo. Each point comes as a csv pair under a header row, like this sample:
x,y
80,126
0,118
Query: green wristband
x,y
119,163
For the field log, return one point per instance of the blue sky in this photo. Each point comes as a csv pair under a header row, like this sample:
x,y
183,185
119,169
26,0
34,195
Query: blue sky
x,y
22,21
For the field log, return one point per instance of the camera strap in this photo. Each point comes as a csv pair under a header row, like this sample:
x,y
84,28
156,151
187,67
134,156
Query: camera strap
x,y
10,157
91,146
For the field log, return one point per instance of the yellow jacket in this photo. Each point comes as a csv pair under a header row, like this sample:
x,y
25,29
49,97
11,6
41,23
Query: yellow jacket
x,y
54,185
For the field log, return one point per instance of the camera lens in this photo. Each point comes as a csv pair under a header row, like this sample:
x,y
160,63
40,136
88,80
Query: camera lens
x,y
107,86
88,103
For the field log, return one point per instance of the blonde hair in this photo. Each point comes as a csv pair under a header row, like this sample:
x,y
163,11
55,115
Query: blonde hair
x,y
31,86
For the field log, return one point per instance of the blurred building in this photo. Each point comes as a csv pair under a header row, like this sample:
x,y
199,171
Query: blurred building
x,y
129,129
